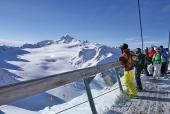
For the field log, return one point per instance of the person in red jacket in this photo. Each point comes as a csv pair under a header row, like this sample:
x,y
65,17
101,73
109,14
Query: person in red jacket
x,y
151,53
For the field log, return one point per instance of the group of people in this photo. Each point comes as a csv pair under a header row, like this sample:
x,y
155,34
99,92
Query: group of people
x,y
158,61
153,62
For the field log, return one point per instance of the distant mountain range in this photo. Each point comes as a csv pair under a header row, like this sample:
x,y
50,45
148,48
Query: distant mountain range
x,y
30,61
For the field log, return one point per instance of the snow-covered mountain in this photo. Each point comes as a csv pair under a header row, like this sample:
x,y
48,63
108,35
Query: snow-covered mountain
x,y
42,59
48,57
38,45
4,48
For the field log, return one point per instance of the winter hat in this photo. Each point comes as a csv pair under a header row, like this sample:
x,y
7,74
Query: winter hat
x,y
138,50
161,46
123,46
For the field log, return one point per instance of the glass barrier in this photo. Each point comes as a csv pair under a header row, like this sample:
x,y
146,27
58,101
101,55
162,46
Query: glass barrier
x,y
71,97
105,89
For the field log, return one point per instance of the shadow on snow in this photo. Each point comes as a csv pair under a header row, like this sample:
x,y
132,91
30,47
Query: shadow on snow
x,y
12,55
38,102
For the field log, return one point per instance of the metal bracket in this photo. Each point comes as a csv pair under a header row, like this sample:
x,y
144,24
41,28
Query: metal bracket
x,y
89,94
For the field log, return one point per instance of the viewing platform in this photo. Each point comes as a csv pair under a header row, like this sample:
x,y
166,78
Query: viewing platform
x,y
154,99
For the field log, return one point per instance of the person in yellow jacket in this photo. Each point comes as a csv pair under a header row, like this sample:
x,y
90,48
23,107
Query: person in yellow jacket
x,y
126,60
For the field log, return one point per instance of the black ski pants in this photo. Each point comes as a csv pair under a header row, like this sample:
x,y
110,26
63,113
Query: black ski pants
x,y
163,68
146,70
138,71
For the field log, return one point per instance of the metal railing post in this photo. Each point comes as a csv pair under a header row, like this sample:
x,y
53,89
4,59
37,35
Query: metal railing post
x,y
168,54
118,79
90,97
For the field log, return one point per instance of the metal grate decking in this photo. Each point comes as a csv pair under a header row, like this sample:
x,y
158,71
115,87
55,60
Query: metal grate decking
x,y
155,99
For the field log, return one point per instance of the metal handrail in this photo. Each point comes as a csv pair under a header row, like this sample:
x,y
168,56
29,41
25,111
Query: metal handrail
x,y
16,91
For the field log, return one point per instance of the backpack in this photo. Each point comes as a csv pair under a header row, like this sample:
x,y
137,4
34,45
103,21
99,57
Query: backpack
x,y
147,60
130,61
164,56
140,60
127,60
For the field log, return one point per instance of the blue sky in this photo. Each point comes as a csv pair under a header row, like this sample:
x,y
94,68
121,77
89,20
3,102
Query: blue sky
x,y
110,22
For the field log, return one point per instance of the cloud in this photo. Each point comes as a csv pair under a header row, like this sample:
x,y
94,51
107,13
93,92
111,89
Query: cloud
x,y
136,42
153,42
148,43
10,42
129,39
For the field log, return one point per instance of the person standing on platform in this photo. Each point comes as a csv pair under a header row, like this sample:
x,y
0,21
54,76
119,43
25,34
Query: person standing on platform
x,y
126,60
148,61
164,61
157,61
139,64
150,54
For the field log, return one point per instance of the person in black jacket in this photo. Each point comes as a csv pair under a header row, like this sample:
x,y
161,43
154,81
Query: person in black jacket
x,y
139,66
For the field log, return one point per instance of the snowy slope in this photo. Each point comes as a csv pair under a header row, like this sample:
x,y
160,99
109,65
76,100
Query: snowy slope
x,y
49,57
52,57
5,48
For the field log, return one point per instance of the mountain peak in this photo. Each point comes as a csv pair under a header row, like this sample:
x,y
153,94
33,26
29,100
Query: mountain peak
x,y
67,37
